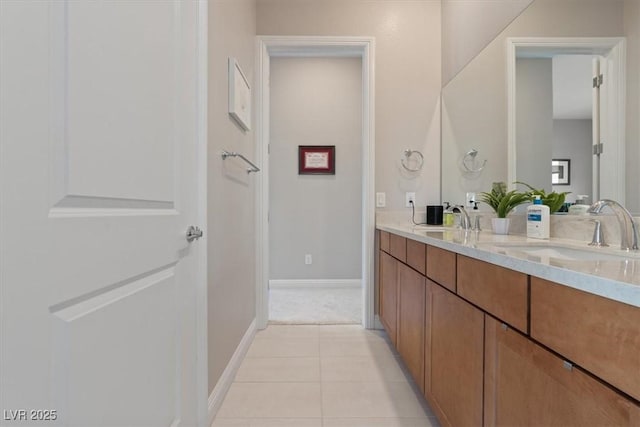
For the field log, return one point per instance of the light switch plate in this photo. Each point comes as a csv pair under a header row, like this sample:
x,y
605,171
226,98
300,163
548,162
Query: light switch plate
x,y
381,200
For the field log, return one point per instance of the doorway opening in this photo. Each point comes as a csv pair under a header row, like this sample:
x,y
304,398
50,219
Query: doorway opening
x,y
326,219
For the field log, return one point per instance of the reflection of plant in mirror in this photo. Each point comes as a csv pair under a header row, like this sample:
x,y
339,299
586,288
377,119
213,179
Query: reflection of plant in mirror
x,y
503,202
554,200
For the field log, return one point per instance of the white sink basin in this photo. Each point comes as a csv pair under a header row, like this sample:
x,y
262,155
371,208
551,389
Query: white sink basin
x,y
562,252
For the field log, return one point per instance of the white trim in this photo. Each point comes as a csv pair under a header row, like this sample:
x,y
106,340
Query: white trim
x,y
378,323
202,368
616,47
226,379
315,284
363,47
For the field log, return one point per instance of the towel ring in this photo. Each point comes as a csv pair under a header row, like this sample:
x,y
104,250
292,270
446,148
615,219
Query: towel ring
x,y
471,156
408,154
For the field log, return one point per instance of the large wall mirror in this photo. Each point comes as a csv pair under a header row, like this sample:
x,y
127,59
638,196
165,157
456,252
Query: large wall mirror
x,y
526,99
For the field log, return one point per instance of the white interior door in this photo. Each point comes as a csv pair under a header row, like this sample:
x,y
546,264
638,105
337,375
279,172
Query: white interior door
x,y
98,185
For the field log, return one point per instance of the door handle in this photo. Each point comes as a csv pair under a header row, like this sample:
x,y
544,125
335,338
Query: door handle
x,y
193,233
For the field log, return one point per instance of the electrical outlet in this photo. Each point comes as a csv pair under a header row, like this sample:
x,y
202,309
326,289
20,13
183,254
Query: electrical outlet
x,y
470,199
381,200
408,198
307,259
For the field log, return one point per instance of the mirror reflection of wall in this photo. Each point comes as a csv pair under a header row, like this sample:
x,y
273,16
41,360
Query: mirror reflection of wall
x,y
554,120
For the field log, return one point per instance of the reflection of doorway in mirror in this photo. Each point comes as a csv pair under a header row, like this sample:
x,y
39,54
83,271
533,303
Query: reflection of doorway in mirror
x,y
562,107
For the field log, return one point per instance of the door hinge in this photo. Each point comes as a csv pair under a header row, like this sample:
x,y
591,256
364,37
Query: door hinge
x,y
268,148
598,81
598,149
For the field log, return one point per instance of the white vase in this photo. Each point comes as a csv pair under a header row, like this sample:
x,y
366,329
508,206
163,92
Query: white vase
x,y
500,225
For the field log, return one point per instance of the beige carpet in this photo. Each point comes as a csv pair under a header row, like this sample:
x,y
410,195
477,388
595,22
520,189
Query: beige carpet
x,y
315,306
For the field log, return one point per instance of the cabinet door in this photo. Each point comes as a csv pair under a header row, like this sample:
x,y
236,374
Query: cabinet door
x,y
411,321
389,294
527,385
456,335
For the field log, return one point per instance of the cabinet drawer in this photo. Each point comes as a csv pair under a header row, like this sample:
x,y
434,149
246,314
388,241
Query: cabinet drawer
x,y
398,247
497,290
441,267
384,241
600,335
416,255
527,385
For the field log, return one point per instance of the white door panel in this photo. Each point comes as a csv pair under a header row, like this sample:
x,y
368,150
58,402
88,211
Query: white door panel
x,y
98,180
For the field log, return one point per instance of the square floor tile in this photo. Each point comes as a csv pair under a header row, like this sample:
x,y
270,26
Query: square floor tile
x,y
272,400
353,347
279,369
288,331
284,347
379,368
371,399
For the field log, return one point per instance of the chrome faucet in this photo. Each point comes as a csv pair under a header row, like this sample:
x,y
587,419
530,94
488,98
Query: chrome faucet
x,y
465,221
628,229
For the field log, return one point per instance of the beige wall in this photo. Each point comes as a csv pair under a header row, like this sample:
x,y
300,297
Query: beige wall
x,y
632,32
534,121
469,25
407,77
231,268
315,101
475,101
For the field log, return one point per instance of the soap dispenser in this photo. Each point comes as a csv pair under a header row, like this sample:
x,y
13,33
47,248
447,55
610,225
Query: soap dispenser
x,y
447,216
538,220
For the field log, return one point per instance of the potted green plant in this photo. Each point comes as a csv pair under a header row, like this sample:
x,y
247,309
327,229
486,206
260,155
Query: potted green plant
x,y
503,202
554,199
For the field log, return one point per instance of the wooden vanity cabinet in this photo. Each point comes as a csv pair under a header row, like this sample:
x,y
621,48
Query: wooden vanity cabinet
x,y
499,291
389,295
526,385
600,335
398,247
416,256
441,267
454,357
411,305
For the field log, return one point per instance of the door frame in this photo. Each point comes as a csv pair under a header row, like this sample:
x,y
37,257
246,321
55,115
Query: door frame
x,y
614,134
202,352
304,46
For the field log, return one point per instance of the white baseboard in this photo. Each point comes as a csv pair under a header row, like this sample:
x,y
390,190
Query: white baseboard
x,y
377,324
315,284
226,379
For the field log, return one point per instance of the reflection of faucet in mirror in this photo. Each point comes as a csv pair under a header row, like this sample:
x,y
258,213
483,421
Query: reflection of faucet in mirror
x,y
628,229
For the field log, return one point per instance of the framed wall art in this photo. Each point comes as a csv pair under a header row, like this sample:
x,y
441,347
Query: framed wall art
x,y
239,95
561,172
316,160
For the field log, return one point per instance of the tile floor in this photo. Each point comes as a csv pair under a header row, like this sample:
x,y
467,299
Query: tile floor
x,y
320,375
322,306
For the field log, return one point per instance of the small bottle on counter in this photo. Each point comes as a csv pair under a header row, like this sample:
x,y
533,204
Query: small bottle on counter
x,y
447,215
538,220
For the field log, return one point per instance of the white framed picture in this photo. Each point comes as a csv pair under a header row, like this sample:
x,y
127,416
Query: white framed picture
x,y
239,95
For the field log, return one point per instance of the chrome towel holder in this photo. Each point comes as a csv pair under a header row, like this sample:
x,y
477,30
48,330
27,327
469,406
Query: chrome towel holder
x,y
408,155
253,167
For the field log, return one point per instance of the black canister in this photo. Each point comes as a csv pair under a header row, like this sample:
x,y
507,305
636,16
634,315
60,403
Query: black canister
x,y
434,214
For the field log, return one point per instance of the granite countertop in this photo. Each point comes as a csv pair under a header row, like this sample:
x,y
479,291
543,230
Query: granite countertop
x,y
608,272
